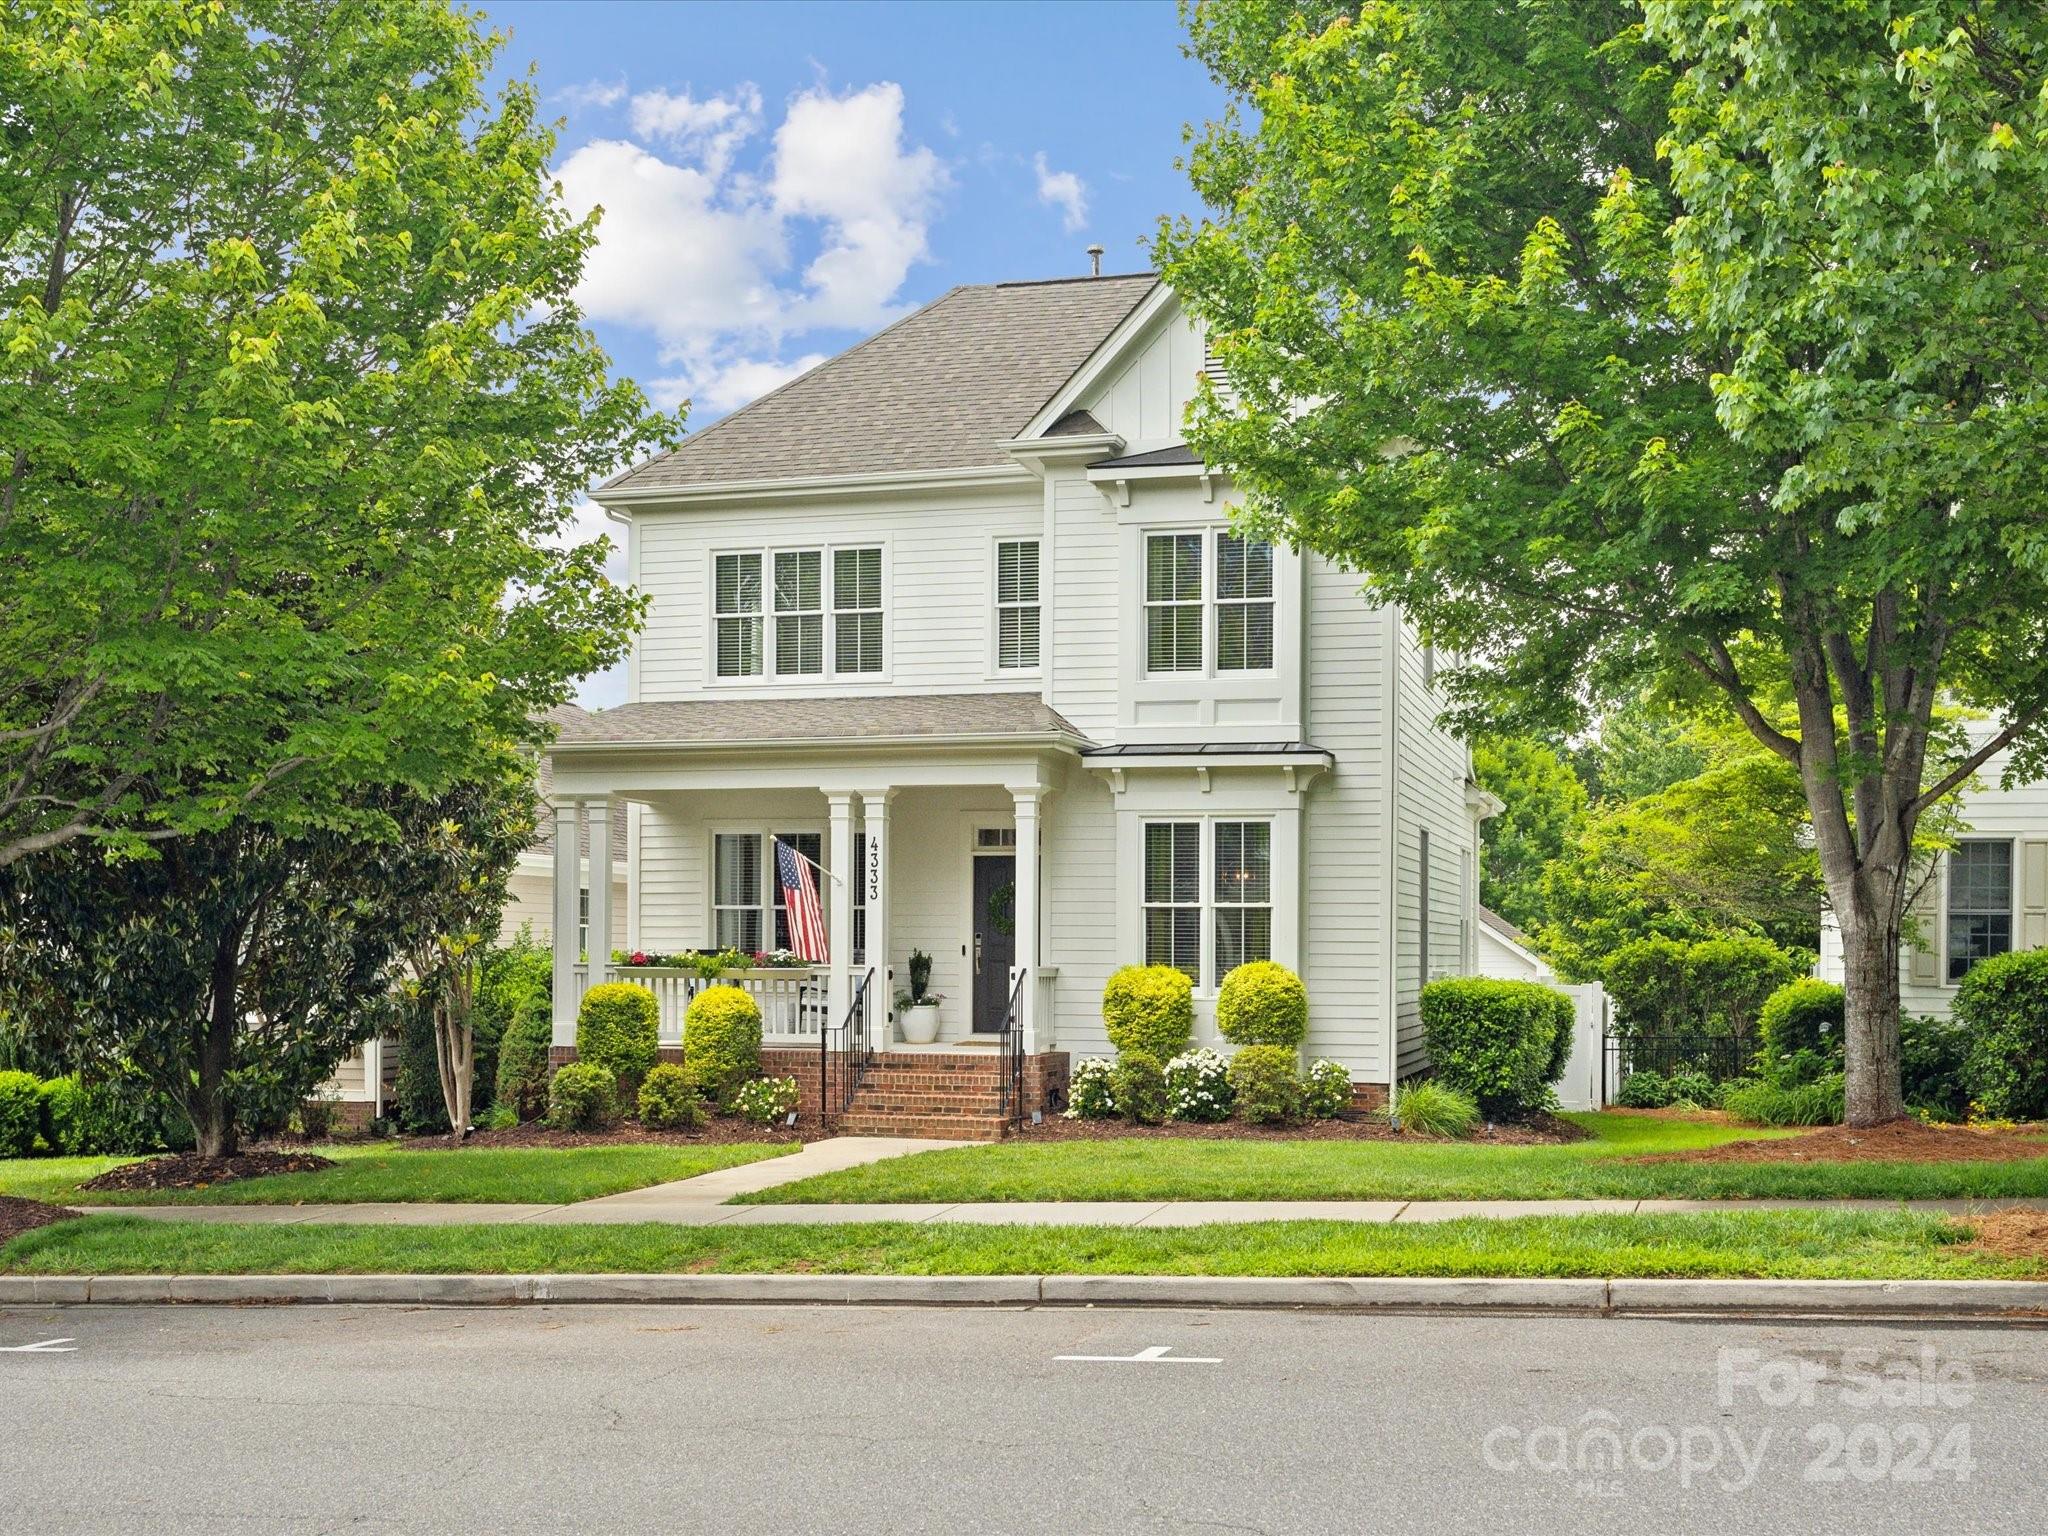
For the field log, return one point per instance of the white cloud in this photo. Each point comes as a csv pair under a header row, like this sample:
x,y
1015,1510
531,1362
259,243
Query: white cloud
x,y
712,130
715,387
593,93
1063,190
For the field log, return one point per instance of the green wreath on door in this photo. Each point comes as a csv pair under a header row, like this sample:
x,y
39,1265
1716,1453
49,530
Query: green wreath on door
x,y
1002,907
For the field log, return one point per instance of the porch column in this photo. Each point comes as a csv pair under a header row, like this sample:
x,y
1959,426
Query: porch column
x,y
874,877
1025,800
839,903
599,946
568,881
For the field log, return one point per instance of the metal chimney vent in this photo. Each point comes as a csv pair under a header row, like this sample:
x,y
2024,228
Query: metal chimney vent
x,y
1095,260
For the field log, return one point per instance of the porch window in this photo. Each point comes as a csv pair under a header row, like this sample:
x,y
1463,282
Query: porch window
x,y
1173,602
1244,894
1173,896
857,610
858,874
1244,604
812,846
1017,604
736,891
737,604
1979,904
799,613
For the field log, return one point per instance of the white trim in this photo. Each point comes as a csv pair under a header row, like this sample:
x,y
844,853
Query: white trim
x,y
1148,309
784,488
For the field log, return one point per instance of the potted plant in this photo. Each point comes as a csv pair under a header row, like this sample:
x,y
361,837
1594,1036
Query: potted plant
x,y
917,1010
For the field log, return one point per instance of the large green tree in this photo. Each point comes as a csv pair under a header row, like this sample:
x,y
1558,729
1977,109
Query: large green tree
x,y
294,401
1696,347
1543,809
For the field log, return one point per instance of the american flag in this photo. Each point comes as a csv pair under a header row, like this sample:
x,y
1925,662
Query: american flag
x,y
800,898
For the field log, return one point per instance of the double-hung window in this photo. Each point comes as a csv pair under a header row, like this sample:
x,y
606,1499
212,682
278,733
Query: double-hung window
x,y
1979,904
1173,896
736,601
799,613
1202,585
736,891
856,610
1244,894
1016,605
1244,604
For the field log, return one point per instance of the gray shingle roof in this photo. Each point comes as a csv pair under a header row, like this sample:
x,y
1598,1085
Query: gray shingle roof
x,y
544,784
1179,453
726,722
939,389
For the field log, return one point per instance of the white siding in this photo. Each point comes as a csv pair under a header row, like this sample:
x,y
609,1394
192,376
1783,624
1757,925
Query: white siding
x,y
1081,891
1144,398
1085,592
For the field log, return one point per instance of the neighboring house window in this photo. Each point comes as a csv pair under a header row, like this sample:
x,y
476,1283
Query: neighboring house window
x,y
799,613
857,610
1429,666
1017,604
736,891
1979,904
1173,896
1173,602
1422,938
1244,894
812,846
737,603
1244,604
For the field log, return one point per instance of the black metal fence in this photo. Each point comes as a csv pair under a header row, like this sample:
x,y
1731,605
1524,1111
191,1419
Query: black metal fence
x,y
1719,1057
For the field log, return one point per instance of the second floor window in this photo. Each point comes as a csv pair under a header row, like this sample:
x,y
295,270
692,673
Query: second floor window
x,y
1979,904
1017,604
769,613
1209,603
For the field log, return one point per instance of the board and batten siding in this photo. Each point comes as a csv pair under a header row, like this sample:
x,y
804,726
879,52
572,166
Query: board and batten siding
x,y
1145,399
937,582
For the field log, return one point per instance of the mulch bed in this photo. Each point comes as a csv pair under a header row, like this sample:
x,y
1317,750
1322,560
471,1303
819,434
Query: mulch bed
x,y
723,1130
1900,1141
2013,1234
1543,1130
188,1170
18,1216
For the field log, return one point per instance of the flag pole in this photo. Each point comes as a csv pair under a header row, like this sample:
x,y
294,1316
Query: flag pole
x,y
821,869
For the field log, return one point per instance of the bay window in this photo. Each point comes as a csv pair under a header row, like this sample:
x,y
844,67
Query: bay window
x,y
1173,896
1210,600
1214,876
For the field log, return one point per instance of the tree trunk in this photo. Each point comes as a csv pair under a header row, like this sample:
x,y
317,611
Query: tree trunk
x,y
1870,1033
211,1109
455,1055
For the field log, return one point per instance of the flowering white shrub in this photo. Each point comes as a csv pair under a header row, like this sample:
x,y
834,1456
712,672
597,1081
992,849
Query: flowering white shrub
x,y
1089,1096
1198,1086
1326,1089
766,1100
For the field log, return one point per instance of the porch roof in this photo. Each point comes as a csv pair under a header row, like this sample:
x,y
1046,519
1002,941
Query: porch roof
x,y
868,719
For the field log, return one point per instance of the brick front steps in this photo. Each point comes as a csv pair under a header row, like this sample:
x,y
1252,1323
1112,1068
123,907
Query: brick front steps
x,y
951,1094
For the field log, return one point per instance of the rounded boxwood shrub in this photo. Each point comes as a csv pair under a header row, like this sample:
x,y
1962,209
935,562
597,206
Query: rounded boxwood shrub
x,y
1198,1086
21,1113
722,1042
1932,1053
1802,1015
1497,1041
58,1103
2003,1005
522,1085
1089,1092
618,1027
669,1100
1149,1008
1262,1003
583,1097
1326,1089
1265,1081
1139,1087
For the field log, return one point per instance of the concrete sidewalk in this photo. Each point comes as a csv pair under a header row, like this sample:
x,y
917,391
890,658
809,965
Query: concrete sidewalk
x,y
619,1209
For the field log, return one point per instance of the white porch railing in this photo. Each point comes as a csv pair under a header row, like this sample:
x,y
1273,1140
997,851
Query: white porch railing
x,y
792,1000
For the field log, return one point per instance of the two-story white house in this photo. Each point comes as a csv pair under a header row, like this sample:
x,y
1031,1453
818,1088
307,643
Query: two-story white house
x,y
959,615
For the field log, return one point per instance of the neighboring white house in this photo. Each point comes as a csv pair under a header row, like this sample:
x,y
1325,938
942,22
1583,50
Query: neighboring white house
x,y
959,615
1989,895
1504,953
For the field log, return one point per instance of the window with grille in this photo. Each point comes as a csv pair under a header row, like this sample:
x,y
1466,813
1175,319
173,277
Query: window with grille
x,y
1173,896
737,606
1244,604
857,610
799,613
1243,894
736,891
1979,904
1173,602
1017,604
812,846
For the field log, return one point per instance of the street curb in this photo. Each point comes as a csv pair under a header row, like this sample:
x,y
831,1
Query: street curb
x,y
2016,1299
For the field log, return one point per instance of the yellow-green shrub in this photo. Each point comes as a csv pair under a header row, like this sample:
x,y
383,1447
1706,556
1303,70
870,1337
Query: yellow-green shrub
x,y
722,1042
618,1027
669,1101
1149,1009
1267,1083
1262,1003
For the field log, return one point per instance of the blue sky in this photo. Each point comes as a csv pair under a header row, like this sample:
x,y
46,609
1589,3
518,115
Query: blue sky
x,y
782,179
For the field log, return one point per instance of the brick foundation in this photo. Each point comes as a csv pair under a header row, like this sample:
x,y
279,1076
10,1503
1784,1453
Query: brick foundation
x,y
1366,1097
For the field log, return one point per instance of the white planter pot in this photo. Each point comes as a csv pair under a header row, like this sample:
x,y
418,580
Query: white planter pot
x,y
919,1025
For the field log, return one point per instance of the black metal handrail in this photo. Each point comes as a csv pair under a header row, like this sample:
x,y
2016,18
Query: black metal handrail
x,y
857,1051
1011,1072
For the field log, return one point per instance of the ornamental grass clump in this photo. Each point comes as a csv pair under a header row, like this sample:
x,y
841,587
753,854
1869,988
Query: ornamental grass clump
x,y
1430,1108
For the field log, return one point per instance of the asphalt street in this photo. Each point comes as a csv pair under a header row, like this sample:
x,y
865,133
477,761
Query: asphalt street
x,y
845,1419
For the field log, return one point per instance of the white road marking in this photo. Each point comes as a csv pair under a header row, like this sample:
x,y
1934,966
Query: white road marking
x,y
1157,1354
47,1347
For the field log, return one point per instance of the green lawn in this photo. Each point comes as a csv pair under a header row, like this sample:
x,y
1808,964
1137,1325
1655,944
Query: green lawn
x,y
1166,1169
1788,1244
468,1175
